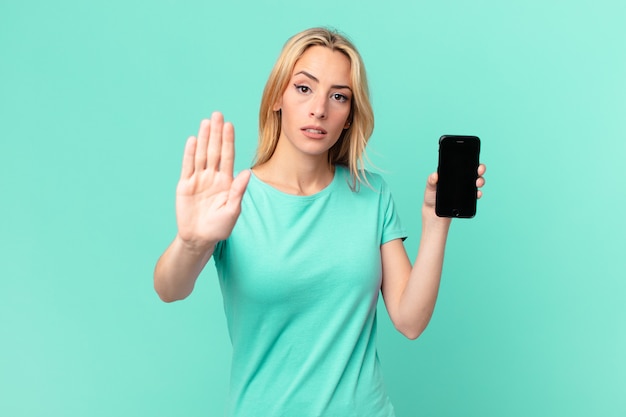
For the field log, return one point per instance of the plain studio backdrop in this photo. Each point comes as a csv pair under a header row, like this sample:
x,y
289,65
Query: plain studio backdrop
x,y
98,98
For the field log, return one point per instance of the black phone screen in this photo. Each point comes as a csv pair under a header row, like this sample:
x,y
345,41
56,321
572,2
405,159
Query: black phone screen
x,y
458,171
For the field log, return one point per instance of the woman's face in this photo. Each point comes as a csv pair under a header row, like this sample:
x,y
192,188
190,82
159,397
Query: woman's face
x,y
316,104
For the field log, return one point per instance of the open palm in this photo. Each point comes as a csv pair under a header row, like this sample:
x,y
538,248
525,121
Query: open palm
x,y
208,198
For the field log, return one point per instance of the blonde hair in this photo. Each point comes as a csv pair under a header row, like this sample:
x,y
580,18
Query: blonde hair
x,y
350,148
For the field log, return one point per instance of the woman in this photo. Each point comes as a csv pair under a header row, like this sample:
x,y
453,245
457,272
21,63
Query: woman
x,y
304,241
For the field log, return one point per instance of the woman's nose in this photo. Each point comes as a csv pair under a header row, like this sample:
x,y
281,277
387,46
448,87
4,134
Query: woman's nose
x,y
318,107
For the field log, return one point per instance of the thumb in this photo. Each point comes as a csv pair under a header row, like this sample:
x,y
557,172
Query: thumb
x,y
238,187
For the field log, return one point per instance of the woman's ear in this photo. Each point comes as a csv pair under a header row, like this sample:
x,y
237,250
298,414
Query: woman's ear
x,y
278,105
349,120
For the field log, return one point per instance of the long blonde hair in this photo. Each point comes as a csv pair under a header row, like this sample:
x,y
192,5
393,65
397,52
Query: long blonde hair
x,y
350,148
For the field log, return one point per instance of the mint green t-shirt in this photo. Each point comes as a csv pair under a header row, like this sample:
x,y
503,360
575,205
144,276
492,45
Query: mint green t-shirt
x,y
300,278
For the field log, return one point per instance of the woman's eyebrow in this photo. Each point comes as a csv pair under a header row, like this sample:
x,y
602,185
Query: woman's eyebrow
x,y
314,78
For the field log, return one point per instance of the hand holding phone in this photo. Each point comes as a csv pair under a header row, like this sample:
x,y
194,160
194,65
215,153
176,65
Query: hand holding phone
x,y
458,172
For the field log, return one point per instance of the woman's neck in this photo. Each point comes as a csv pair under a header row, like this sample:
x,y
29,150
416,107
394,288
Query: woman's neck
x,y
297,176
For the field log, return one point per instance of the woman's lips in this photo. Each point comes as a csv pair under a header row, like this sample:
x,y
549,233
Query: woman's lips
x,y
313,132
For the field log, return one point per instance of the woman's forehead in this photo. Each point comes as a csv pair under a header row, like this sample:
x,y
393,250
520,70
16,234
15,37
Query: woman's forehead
x,y
322,62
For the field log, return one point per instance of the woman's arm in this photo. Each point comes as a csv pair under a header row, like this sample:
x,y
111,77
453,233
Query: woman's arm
x,y
178,269
208,203
410,292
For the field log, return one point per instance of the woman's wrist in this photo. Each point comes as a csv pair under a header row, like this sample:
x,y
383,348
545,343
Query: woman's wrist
x,y
430,218
194,247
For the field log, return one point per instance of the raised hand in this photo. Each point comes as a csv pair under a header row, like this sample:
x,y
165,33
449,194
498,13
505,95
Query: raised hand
x,y
208,198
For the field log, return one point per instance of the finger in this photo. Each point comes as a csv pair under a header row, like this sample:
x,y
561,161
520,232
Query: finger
x,y
215,141
201,145
433,179
482,168
228,150
480,182
188,158
479,194
238,188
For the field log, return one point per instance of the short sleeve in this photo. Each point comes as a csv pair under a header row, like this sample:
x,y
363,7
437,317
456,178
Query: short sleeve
x,y
391,225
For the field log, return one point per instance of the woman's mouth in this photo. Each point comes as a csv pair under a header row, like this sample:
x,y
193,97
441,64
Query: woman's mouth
x,y
314,132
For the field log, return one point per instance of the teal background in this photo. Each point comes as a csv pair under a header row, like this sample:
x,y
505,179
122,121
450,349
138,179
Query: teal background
x,y
97,99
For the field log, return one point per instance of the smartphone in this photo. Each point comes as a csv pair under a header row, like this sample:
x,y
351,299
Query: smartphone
x,y
458,172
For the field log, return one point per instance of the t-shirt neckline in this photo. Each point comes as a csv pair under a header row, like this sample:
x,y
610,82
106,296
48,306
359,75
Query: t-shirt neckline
x,y
338,174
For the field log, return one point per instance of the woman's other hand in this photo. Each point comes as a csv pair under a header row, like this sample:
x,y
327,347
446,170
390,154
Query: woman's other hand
x,y
430,194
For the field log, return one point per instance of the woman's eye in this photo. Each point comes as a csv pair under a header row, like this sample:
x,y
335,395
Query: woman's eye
x,y
340,97
302,88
